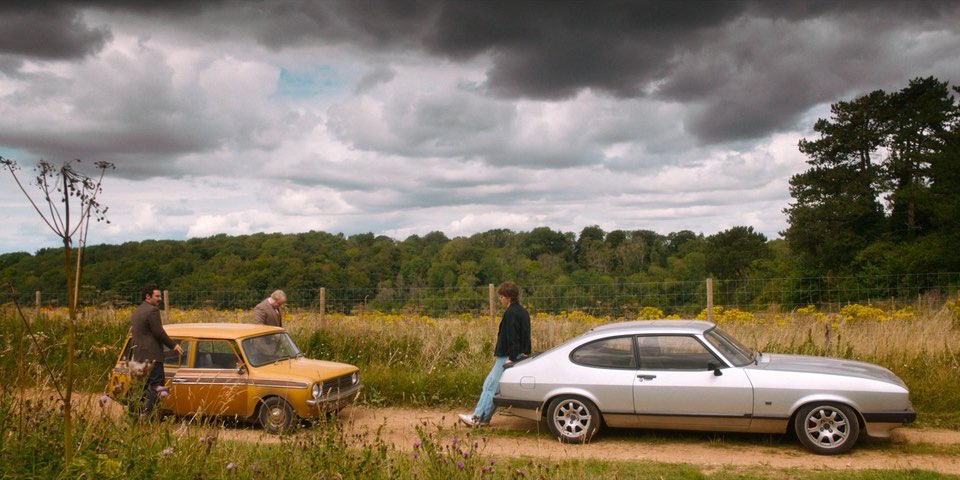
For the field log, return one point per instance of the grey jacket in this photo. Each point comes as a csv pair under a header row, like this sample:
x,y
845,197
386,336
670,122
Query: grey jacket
x,y
148,335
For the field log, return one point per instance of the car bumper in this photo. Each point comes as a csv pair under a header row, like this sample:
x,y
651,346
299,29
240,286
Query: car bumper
x,y
336,400
880,424
903,418
516,402
529,409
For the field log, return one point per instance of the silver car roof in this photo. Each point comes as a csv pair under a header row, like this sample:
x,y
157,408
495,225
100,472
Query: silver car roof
x,y
655,326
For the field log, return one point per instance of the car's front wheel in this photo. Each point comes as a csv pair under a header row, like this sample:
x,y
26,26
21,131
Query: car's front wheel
x,y
275,415
827,428
573,419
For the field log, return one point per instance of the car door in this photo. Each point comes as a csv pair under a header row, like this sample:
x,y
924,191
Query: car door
x,y
172,363
677,387
213,384
122,378
606,368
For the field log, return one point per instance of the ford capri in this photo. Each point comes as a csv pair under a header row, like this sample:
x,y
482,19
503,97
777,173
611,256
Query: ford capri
x,y
691,375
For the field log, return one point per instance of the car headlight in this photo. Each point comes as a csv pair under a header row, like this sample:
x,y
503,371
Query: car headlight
x,y
355,378
316,390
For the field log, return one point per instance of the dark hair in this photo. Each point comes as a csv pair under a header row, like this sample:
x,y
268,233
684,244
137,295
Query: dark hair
x,y
510,290
148,291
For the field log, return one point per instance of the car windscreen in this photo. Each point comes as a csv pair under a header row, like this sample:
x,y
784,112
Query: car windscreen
x,y
269,348
729,347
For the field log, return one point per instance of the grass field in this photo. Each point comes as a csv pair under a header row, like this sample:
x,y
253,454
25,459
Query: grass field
x,y
418,361
409,360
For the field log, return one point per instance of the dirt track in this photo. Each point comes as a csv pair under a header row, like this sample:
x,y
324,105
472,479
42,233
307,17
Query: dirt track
x,y
511,436
690,448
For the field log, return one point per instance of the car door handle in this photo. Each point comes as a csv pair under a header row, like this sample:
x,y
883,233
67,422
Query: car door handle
x,y
646,377
179,380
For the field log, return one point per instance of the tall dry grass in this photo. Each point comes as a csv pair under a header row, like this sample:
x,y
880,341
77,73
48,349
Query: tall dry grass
x,y
415,360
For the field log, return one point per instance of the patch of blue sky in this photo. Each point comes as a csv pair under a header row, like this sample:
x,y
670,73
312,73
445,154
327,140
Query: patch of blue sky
x,y
316,81
14,154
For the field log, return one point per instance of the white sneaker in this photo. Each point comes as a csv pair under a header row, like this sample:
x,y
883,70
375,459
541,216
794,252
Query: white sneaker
x,y
466,419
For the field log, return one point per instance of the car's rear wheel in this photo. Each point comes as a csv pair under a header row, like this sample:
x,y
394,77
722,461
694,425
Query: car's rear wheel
x,y
573,419
827,428
276,415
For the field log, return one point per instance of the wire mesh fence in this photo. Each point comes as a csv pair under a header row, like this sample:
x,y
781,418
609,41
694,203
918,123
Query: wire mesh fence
x,y
614,299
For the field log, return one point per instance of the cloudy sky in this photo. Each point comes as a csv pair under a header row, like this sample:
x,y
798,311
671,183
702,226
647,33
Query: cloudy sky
x,y
402,118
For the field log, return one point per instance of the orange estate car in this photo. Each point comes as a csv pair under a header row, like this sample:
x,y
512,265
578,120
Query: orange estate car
x,y
248,371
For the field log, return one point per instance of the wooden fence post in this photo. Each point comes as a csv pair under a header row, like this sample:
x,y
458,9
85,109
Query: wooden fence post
x,y
710,299
37,303
166,306
323,307
493,307
826,339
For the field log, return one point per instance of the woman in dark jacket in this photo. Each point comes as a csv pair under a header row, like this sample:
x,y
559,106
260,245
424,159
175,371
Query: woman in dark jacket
x,y
513,343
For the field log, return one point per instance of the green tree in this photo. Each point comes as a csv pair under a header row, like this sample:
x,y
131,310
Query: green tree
x,y
588,238
590,250
876,148
730,253
920,118
836,210
544,241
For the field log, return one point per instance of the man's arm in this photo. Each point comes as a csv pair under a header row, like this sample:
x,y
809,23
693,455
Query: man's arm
x,y
511,328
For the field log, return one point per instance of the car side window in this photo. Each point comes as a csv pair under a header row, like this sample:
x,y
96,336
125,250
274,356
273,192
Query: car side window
x,y
172,359
607,353
674,352
216,354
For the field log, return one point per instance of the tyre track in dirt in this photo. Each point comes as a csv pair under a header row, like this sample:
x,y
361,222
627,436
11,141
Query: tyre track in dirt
x,y
397,426
510,436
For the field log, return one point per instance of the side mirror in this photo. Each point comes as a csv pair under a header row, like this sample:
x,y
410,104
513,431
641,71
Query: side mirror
x,y
716,369
241,369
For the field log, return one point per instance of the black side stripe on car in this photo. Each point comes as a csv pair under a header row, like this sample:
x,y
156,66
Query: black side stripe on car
x,y
509,402
235,380
890,417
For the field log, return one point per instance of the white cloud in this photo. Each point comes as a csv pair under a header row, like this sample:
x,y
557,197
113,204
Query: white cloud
x,y
235,223
400,127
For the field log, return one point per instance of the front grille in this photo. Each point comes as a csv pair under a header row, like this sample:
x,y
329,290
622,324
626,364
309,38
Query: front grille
x,y
338,384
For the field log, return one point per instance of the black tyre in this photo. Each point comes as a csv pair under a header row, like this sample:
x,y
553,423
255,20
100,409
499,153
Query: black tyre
x,y
573,419
276,415
827,428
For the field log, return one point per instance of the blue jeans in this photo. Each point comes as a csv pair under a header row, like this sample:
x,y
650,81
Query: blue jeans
x,y
484,409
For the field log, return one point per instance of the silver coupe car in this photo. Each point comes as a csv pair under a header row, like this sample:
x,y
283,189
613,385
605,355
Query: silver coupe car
x,y
691,375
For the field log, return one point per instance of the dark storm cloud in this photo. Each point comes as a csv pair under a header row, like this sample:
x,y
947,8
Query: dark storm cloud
x,y
689,51
554,50
744,69
675,51
48,31
380,74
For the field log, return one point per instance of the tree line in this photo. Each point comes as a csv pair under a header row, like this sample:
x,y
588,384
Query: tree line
x,y
881,197
882,193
